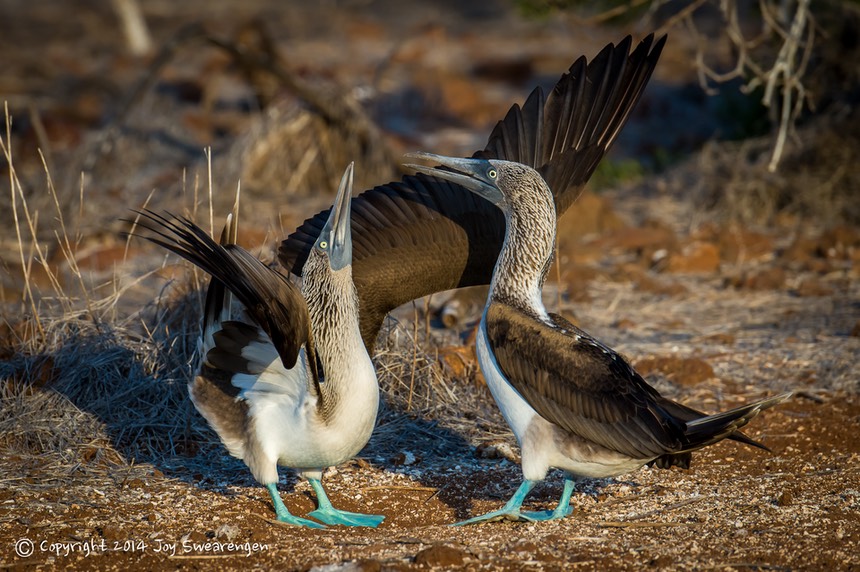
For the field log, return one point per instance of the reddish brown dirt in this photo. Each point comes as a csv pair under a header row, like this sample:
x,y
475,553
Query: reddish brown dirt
x,y
795,509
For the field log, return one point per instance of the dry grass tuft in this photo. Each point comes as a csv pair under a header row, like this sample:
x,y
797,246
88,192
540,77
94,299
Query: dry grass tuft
x,y
125,382
291,148
121,389
81,384
425,407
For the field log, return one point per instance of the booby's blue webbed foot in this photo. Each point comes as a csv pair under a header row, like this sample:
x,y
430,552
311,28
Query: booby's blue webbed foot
x,y
511,510
542,515
562,510
501,514
284,515
334,516
326,513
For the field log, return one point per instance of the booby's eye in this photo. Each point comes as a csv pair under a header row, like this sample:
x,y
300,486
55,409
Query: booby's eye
x,y
323,244
492,173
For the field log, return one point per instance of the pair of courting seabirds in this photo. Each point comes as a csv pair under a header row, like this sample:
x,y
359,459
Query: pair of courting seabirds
x,y
289,381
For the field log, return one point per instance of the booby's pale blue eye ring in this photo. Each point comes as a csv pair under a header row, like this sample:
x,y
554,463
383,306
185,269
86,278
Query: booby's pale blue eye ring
x,y
492,173
323,244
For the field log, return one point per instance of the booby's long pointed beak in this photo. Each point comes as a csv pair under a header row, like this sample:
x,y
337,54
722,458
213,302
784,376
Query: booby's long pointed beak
x,y
477,175
337,229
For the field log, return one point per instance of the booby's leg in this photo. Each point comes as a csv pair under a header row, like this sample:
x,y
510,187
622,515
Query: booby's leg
x,y
510,511
562,510
284,514
326,513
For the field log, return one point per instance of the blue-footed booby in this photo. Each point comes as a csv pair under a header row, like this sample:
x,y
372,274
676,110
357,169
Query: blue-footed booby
x,y
289,380
572,402
426,234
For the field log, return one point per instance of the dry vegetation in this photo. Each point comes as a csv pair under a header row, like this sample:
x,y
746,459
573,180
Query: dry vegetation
x,y
721,281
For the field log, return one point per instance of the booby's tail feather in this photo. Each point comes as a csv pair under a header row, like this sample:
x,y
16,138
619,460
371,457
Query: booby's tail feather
x,y
703,430
712,428
269,298
219,299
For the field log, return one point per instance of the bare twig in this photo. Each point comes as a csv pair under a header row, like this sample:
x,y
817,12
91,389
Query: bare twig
x,y
134,26
785,68
680,504
414,356
782,78
684,14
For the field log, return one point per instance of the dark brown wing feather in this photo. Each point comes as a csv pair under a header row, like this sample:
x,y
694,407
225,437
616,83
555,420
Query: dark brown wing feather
x,y
677,410
269,297
581,385
422,235
686,414
565,135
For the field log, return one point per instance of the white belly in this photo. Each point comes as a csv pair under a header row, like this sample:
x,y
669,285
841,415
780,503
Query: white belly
x,y
295,437
289,429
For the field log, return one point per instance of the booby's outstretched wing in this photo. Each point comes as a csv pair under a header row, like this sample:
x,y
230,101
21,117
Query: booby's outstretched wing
x,y
270,299
422,235
565,135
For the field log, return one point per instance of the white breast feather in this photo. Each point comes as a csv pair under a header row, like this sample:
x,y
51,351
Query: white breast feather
x,y
516,410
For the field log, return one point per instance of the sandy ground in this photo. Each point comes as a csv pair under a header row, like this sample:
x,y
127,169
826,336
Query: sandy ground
x,y
795,509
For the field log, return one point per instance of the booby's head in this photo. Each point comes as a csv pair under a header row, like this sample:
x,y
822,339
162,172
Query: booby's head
x,y
327,276
527,202
335,240
510,186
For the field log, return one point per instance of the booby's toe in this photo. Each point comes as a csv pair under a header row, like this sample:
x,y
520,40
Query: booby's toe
x,y
501,514
333,516
563,508
542,515
298,521
511,510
